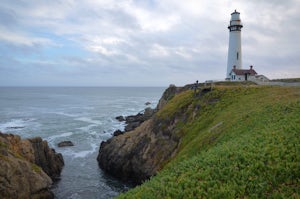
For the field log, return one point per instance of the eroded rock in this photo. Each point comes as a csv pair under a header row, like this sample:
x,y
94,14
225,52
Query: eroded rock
x,y
26,167
139,154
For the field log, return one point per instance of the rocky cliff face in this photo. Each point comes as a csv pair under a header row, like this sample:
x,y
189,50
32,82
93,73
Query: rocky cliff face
x,y
139,154
26,167
45,157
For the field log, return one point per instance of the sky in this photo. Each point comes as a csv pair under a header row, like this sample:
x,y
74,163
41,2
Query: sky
x,y
142,42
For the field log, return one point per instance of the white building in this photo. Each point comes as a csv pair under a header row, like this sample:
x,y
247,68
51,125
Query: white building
x,y
235,45
242,74
246,75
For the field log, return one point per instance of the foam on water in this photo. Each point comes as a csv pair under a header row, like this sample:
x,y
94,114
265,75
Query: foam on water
x,y
95,134
16,124
87,128
89,120
54,137
64,114
83,154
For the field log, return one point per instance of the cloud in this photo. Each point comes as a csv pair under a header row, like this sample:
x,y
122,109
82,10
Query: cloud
x,y
19,39
149,42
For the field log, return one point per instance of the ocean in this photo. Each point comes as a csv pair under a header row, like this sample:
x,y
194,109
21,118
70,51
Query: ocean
x,y
83,115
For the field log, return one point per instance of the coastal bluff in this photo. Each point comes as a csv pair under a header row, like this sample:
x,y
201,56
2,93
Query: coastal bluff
x,y
137,155
28,167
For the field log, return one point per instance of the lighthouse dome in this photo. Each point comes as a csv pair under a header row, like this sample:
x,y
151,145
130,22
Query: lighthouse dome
x,y
235,18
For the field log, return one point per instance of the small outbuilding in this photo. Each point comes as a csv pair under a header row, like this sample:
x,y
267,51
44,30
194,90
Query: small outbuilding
x,y
243,74
261,78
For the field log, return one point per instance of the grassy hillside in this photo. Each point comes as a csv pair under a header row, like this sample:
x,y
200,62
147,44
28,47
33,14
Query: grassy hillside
x,y
237,142
289,80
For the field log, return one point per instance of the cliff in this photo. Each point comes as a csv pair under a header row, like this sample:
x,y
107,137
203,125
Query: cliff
x,y
27,167
234,141
139,154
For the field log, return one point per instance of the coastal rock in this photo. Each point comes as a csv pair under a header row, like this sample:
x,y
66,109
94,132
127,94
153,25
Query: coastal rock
x,y
168,94
118,132
149,112
24,165
134,118
133,121
132,125
139,154
120,118
21,179
65,143
16,127
45,157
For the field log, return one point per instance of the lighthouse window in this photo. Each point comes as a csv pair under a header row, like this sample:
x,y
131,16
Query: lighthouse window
x,y
237,55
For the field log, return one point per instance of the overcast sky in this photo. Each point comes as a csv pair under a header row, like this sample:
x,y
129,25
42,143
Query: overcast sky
x,y
142,42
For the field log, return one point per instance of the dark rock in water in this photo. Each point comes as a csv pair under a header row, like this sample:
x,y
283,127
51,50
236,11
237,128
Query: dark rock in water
x,y
120,118
65,143
134,121
24,165
134,118
16,127
118,132
147,103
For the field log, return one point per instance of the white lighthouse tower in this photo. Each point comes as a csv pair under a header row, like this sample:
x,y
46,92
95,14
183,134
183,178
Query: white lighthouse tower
x,y
235,46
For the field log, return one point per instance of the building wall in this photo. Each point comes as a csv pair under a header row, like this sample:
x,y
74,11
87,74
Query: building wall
x,y
238,78
235,77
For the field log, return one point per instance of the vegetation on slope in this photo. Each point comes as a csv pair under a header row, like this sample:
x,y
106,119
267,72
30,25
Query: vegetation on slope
x,y
236,142
288,80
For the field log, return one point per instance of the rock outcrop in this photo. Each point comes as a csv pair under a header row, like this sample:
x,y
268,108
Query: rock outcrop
x,y
45,157
27,167
139,154
133,121
167,95
65,143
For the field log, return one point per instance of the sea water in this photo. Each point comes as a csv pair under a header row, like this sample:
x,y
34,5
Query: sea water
x,y
85,116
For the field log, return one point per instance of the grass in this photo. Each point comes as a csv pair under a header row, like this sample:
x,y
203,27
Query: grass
x,y
237,142
36,168
288,80
3,145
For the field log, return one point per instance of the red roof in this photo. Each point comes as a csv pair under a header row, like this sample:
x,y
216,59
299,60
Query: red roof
x,y
243,71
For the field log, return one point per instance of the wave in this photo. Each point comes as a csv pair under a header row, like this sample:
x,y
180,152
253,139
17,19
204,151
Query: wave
x,y
64,114
16,124
82,154
54,137
87,128
89,120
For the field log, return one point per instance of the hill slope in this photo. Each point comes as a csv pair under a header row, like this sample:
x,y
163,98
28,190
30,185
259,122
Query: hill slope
x,y
234,142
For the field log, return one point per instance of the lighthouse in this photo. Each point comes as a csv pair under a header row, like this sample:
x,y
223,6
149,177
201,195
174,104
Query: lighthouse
x,y
234,59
